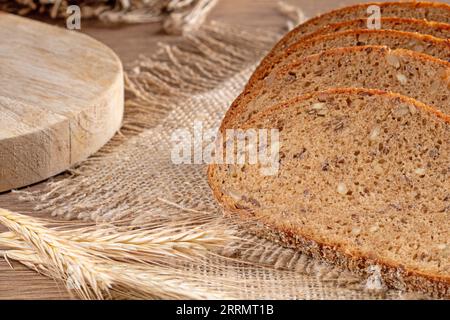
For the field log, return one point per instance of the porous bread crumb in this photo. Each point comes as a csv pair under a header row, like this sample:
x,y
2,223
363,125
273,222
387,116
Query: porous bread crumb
x,y
438,48
360,204
369,69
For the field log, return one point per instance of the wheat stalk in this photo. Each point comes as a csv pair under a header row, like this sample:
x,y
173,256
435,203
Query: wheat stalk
x,y
149,240
65,258
130,281
92,261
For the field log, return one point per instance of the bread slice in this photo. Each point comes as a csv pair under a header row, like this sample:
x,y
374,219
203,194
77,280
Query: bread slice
x,y
363,182
431,11
436,47
435,29
412,74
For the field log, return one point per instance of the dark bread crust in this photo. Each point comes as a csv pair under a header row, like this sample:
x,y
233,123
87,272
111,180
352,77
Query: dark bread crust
x,y
394,274
264,69
254,88
326,18
437,29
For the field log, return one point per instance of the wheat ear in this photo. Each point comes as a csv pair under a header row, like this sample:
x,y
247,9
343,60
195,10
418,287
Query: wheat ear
x,y
90,268
64,258
144,242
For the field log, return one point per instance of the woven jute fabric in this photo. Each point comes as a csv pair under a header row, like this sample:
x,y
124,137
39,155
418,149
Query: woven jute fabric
x,y
134,175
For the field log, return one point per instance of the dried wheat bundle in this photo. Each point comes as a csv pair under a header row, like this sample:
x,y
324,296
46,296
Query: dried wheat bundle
x,y
103,262
179,16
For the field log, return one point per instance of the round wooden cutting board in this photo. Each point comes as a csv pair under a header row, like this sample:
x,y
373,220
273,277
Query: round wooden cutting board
x,y
61,99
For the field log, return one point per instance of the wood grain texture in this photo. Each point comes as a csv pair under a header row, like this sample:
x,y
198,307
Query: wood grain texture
x,y
61,99
129,42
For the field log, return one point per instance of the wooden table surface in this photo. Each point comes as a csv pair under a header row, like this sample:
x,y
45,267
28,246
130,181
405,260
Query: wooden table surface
x,y
129,42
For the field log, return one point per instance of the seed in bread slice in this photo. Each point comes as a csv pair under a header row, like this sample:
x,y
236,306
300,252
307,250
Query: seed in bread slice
x,y
431,11
436,47
432,28
412,74
363,181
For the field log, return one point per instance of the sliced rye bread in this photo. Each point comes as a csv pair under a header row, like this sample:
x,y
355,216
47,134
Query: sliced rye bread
x,y
436,47
431,28
431,11
412,74
363,183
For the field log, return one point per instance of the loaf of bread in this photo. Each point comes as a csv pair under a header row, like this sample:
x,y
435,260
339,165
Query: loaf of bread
x,y
435,29
431,11
436,47
412,74
363,182
361,176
